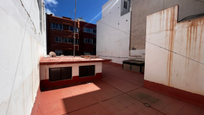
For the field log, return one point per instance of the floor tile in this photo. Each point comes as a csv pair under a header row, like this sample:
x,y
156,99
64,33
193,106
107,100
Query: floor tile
x,y
190,109
127,111
173,108
120,92
135,108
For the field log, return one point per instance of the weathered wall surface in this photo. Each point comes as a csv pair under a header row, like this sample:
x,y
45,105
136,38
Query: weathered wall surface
x,y
113,32
142,8
175,51
22,44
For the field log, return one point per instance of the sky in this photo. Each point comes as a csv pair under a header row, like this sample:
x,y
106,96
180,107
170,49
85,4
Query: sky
x,y
90,10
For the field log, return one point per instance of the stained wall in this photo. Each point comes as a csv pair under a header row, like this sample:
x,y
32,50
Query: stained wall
x,y
142,8
175,51
23,43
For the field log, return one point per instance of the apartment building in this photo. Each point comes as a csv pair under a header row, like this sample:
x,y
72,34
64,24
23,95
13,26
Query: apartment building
x,y
87,38
60,35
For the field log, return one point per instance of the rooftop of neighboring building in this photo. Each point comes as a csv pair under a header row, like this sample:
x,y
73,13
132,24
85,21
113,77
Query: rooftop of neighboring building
x,y
71,59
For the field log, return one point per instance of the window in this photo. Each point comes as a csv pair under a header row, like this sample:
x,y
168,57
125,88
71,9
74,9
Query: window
x,y
87,40
70,40
71,28
58,39
94,41
65,40
91,41
88,30
65,27
56,26
94,30
76,41
57,74
85,71
60,27
77,30
125,4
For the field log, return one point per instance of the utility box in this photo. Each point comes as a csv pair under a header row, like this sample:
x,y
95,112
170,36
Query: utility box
x,y
134,65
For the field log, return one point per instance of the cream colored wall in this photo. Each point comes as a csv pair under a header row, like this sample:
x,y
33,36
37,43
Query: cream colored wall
x,y
113,33
44,69
21,47
175,51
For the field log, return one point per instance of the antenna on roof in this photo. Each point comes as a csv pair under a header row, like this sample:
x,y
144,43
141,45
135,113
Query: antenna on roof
x,y
74,27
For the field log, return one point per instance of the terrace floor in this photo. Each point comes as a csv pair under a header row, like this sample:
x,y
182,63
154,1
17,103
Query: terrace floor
x,y
120,92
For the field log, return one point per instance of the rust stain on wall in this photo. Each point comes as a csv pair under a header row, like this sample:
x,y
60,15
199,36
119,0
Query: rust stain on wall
x,y
172,23
191,37
188,44
160,20
201,36
200,42
167,19
191,40
192,48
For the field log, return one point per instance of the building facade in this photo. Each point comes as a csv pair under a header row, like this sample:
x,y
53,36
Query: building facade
x,y
23,31
142,8
113,31
87,38
60,35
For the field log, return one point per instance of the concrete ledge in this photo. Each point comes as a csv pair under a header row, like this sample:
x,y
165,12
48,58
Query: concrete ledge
x,y
69,60
176,93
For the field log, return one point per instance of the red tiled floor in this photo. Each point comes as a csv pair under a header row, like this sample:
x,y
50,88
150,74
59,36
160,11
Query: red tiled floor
x,y
120,92
127,111
119,106
135,108
189,109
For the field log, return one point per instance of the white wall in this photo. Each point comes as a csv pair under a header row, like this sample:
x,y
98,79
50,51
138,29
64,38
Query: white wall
x,y
22,44
44,69
182,69
113,39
